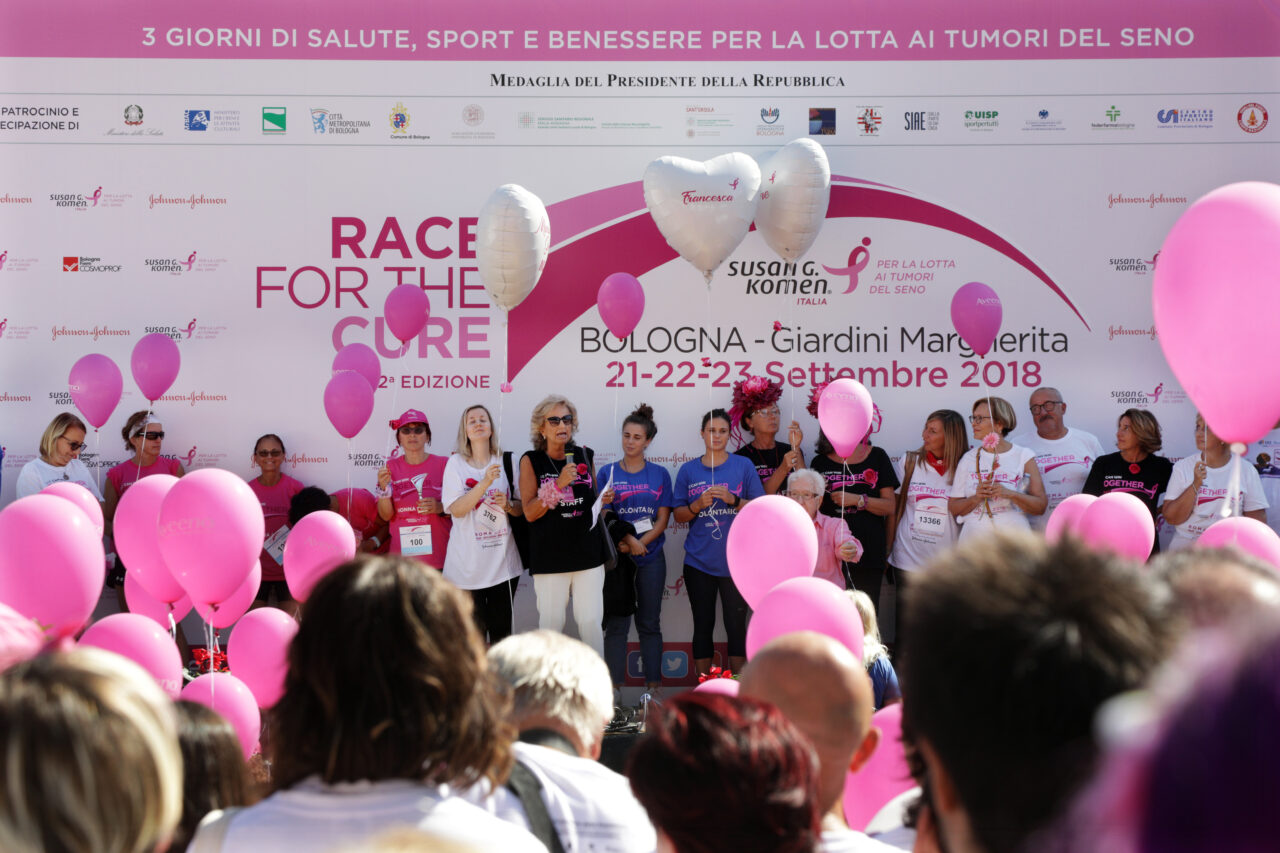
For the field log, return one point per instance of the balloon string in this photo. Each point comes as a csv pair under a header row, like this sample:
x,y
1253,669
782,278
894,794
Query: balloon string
x,y
145,421
711,404
395,388
1233,504
173,624
349,467
97,459
506,379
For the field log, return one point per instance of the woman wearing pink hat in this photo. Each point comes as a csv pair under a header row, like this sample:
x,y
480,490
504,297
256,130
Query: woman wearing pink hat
x,y
409,493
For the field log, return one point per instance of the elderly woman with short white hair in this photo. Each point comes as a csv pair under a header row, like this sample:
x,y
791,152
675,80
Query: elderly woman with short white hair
x,y
835,543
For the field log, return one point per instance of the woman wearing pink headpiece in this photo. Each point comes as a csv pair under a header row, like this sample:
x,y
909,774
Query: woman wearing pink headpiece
x,y
755,409
409,493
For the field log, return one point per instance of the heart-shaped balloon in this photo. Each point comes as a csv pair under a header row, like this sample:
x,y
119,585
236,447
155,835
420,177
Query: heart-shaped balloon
x,y
703,209
513,236
795,188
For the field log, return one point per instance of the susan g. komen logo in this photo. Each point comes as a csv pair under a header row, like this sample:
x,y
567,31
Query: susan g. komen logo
x,y
95,197
859,258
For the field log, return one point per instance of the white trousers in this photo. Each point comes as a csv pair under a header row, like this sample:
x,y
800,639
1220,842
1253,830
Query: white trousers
x,y
587,589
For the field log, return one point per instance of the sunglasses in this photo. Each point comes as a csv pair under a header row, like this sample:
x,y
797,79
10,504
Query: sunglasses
x,y
413,429
76,446
556,420
153,435
270,454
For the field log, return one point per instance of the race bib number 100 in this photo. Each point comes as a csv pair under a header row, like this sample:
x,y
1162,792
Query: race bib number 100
x,y
415,540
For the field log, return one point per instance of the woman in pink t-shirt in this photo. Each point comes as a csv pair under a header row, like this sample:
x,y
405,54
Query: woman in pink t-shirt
x,y
835,543
274,491
409,493
143,434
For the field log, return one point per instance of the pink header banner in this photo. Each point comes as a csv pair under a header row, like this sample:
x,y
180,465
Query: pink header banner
x,y
654,31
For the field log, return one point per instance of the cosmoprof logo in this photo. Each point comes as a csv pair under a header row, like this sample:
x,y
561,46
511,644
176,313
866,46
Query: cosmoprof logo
x,y
83,263
1252,117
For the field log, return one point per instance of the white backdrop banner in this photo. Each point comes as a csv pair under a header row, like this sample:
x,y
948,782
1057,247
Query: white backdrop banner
x,y
254,187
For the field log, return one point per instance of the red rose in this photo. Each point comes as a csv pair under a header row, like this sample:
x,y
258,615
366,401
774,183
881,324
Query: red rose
x,y
583,469
870,478
472,482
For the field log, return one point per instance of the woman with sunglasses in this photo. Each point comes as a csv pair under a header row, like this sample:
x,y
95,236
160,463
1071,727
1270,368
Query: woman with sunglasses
x,y
755,409
997,483
59,459
274,491
409,493
566,553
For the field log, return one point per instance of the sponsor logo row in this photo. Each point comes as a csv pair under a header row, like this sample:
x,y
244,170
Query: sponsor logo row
x,y
399,122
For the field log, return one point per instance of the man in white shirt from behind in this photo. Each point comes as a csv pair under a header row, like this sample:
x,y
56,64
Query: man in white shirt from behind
x,y
825,692
563,698
1063,455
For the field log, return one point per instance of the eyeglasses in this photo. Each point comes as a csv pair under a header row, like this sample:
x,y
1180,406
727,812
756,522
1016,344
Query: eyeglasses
x,y
76,446
768,413
270,454
803,496
413,429
154,435
556,420
977,419
1049,406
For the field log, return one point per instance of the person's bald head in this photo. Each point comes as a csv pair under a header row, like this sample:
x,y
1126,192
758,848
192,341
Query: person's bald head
x,y
824,690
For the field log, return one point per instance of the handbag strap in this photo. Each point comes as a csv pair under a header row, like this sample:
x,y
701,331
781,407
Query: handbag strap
x,y
528,790
908,471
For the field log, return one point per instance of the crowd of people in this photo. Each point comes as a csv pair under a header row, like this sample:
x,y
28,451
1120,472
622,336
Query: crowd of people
x,y
1048,691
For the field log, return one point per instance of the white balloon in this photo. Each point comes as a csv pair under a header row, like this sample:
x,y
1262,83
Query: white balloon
x,y
703,209
794,193
513,237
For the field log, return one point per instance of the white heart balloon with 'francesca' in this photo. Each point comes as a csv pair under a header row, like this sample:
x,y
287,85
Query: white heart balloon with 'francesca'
x,y
795,189
703,209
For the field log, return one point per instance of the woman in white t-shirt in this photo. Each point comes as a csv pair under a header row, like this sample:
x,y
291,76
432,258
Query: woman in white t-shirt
x,y
997,483
482,557
59,459
924,526
1200,484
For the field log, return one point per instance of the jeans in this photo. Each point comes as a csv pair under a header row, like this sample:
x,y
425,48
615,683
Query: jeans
x,y
587,587
703,589
651,580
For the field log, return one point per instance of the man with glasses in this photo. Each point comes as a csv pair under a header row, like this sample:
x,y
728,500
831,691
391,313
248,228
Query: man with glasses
x,y
1063,455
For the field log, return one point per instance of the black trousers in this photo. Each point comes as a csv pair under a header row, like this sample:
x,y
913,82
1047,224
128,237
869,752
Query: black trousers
x,y
493,609
703,589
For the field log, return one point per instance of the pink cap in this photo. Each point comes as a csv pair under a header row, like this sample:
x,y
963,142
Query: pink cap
x,y
410,416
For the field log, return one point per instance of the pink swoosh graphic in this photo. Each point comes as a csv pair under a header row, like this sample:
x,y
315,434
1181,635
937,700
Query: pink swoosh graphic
x,y
560,297
1060,464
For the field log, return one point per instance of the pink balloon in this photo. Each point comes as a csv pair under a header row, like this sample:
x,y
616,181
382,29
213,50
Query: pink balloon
x,y
772,539
51,563
231,698
362,359
79,495
348,401
406,309
976,313
1120,523
845,411
211,531
140,601
317,544
20,637
142,641
806,604
95,384
136,533
723,686
884,776
1247,534
258,652
1220,261
621,303
155,364
225,613
1065,517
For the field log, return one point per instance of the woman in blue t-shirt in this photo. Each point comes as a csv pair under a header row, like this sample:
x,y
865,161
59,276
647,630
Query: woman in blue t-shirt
x,y
709,491
642,498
